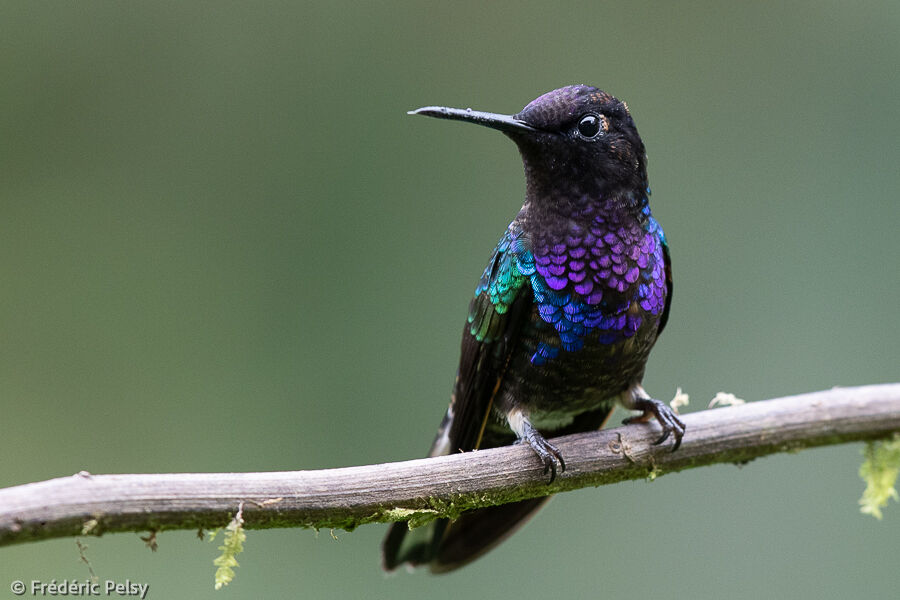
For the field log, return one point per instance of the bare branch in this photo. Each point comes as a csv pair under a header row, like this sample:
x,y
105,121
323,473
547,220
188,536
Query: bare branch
x,y
85,504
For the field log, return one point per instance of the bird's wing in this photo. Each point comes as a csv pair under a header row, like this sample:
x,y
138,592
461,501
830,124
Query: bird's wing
x,y
502,302
667,258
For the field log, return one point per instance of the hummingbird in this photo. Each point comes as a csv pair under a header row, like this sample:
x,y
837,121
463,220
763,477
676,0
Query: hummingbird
x,y
564,316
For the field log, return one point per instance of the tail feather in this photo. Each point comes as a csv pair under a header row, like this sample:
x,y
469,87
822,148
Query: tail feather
x,y
476,532
414,546
446,545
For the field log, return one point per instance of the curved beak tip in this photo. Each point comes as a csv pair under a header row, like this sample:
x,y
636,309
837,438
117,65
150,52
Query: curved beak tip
x,y
436,111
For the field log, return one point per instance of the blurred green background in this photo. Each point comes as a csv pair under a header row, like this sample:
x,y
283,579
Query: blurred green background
x,y
224,247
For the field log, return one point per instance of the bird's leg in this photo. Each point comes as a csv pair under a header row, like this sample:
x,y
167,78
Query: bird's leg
x,y
547,452
637,399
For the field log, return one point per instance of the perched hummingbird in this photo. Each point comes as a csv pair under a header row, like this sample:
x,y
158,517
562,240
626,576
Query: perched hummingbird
x,y
565,314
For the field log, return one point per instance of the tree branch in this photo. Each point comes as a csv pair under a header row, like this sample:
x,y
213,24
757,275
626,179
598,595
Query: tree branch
x,y
423,489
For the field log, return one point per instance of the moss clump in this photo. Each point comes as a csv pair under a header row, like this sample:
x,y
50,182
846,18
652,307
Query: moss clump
x,y
415,517
232,545
879,470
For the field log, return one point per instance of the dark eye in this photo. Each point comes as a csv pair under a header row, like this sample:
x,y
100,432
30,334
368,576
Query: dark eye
x,y
590,126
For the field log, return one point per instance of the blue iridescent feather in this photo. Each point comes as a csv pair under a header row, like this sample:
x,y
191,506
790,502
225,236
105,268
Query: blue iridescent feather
x,y
578,284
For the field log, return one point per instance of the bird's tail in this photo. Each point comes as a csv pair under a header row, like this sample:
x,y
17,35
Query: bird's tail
x,y
413,546
446,545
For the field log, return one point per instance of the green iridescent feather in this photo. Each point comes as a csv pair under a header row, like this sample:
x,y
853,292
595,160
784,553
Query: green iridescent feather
x,y
510,267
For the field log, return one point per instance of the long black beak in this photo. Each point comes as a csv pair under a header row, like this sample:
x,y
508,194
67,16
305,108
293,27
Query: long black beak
x,y
506,123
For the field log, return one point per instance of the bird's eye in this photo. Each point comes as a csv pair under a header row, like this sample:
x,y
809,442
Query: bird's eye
x,y
590,126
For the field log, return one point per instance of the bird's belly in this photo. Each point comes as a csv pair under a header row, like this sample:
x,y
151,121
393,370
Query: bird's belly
x,y
550,415
572,383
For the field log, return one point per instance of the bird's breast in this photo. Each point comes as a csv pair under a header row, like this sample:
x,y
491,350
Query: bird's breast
x,y
603,282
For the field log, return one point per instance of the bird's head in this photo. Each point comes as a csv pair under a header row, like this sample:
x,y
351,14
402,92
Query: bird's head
x,y
576,140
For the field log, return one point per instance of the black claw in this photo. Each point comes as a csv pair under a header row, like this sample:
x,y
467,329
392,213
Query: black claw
x,y
547,452
665,416
549,455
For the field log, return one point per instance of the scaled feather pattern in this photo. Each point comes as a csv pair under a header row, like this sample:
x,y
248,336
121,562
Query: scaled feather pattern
x,y
578,284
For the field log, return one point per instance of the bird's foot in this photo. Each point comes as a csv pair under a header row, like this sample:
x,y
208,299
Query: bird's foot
x,y
667,418
547,452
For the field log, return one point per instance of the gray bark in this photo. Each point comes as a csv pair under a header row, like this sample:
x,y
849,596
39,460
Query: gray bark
x,y
85,504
